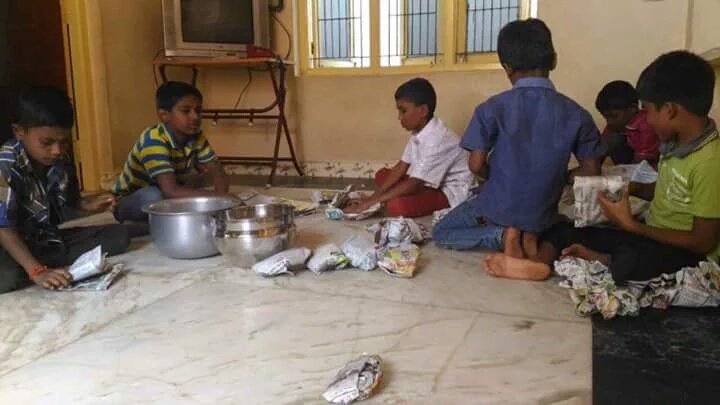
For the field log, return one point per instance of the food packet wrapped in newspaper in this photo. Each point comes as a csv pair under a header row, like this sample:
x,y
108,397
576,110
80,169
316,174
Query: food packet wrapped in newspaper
x,y
282,263
356,381
392,232
91,263
361,252
327,257
586,190
341,199
400,261
98,282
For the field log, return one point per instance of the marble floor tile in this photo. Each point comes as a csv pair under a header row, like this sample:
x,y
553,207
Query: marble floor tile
x,y
447,279
214,343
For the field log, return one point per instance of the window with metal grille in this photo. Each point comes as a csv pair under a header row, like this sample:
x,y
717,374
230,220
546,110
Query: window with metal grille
x,y
485,18
379,34
341,33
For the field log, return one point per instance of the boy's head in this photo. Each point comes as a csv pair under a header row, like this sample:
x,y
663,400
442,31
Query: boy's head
x,y
45,120
179,107
676,88
525,47
618,103
415,101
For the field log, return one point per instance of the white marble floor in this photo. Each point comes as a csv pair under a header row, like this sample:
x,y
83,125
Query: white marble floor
x,y
187,332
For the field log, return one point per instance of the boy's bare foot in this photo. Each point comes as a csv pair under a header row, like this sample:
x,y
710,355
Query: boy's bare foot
x,y
530,245
586,253
504,266
512,243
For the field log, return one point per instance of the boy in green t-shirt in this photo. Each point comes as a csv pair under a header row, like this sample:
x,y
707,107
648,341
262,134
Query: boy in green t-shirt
x,y
683,225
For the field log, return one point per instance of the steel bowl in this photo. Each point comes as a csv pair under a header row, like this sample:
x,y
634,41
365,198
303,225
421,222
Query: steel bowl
x,y
182,228
246,235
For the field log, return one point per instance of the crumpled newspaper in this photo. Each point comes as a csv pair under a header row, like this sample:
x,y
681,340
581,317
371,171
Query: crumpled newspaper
x,y
356,381
393,232
98,282
586,190
328,257
341,200
641,172
400,261
361,252
593,290
283,262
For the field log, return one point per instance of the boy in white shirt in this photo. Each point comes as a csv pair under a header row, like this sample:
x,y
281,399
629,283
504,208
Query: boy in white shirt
x,y
433,172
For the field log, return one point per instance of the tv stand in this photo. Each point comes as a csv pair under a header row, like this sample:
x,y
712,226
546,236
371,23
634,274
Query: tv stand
x,y
277,69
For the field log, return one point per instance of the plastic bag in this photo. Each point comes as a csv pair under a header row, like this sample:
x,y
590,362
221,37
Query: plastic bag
x,y
361,252
327,257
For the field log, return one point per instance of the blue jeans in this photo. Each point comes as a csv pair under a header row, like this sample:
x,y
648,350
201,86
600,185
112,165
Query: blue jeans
x,y
129,208
463,229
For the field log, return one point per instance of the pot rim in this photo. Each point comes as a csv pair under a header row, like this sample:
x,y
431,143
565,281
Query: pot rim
x,y
148,208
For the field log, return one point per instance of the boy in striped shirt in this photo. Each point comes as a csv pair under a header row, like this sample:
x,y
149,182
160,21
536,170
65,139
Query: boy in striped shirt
x,y
169,156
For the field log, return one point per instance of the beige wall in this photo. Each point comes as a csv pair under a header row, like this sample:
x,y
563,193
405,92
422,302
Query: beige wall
x,y
353,118
131,36
704,25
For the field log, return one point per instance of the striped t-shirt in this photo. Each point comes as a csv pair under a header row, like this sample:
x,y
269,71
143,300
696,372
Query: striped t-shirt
x,y
157,152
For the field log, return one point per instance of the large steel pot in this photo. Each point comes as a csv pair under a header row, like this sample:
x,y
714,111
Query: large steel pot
x,y
182,228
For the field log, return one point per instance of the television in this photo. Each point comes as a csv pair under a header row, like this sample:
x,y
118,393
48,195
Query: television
x,y
215,27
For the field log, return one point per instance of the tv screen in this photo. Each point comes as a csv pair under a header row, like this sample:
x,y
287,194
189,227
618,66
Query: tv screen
x,y
218,21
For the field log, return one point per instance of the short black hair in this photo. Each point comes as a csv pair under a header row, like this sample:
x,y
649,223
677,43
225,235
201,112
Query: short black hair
x,y
44,106
616,95
168,94
679,77
419,91
525,45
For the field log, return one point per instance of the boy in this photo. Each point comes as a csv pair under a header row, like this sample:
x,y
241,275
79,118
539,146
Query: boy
x,y
531,131
432,173
628,136
684,220
168,156
35,190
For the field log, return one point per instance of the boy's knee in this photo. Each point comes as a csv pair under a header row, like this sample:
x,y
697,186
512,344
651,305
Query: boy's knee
x,y
116,239
149,195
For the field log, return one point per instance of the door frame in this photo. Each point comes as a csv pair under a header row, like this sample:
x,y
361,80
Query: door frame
x,y
87,86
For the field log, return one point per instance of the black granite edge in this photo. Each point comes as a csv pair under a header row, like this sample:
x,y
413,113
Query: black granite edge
x,y
659,357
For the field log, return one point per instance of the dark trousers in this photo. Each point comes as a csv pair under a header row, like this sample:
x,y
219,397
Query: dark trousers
x,y
114,239
632,257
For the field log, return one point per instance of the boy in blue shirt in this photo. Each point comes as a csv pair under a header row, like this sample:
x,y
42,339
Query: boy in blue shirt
x,y
521,141
683,224
36,191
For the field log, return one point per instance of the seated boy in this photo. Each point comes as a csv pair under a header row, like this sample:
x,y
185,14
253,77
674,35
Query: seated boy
x,y
628,136
35,190
684,220
531,130
433,172
169,156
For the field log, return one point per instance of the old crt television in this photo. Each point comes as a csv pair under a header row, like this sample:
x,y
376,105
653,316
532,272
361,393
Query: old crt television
x,y
215,27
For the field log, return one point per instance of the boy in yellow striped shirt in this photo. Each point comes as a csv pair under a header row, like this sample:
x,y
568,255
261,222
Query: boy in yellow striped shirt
x,y
168,155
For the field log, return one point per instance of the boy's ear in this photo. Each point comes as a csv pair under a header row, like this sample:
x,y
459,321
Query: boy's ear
x,y
670,109
18,131
163,115
508,70
426,111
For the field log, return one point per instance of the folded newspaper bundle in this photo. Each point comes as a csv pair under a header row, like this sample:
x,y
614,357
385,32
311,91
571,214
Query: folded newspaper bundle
x,y
91,272
356,381
393,232
400,261
282,263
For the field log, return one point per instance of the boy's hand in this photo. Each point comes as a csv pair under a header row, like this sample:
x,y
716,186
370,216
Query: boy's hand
x,y
99,203
619,212
357,206
52,279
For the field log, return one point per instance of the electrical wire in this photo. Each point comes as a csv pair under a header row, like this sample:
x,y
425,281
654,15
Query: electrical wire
x,y
244,90
289,36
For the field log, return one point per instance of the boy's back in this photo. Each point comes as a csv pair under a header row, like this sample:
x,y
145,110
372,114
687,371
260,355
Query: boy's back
x,y
532,131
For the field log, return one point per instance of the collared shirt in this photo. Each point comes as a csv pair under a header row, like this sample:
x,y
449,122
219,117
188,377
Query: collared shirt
x,y
531,130
435,157
641,138
31,202
688,186
157,152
